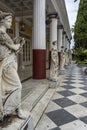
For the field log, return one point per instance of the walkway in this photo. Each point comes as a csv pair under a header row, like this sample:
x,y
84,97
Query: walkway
x,y
67,109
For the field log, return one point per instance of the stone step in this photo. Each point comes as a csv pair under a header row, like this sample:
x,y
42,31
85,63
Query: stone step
x,y
41,106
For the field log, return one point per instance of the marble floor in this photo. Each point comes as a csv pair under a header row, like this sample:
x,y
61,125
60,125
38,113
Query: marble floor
x,y
67,110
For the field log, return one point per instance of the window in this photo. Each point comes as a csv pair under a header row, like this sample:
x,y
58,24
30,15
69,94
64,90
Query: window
x,y
26,52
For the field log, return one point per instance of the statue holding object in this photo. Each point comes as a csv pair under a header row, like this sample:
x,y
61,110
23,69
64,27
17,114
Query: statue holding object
x,y
10,85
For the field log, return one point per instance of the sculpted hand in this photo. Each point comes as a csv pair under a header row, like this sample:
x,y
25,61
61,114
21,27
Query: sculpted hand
x,y
22,41
16,47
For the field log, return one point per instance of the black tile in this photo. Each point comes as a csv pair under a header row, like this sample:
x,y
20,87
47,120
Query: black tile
x,y
83,79
84,104
55,128
69,78
68,86
84,83
66,93
68,82
84,119
61,117
84,94
64,102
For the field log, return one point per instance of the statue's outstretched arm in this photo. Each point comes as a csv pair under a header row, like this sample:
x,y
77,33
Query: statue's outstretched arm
x,y
6,40
14,47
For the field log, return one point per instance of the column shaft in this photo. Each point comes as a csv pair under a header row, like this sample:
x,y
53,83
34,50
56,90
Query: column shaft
x,y
53,35
39,40
60,31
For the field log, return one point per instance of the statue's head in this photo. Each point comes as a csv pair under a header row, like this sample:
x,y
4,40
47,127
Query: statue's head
x,y
62,48
4,16
54,45
65,50
5,19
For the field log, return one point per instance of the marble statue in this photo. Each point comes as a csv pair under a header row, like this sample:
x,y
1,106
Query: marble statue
x,y
10,85
54,62
62,61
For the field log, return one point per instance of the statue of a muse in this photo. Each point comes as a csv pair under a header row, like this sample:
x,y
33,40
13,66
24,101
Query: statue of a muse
x,y
10,85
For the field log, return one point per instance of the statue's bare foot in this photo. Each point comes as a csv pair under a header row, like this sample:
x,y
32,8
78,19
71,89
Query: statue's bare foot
x,y
21,114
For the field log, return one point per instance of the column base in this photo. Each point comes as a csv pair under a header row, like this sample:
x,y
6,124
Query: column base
x,y
53,83
39,64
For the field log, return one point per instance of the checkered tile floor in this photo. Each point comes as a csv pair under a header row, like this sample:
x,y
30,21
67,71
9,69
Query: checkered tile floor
x,y
67,109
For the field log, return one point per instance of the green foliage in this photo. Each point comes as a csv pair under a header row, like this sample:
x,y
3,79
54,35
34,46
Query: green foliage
x,y
81,56
80,30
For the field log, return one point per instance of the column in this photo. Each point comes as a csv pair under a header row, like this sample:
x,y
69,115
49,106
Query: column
x,y
60,32
39,40
64,34
16,27
17,35
53,32
66,51
65,41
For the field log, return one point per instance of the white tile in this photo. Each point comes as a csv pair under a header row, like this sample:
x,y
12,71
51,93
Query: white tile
x,y
75,125
63,84
77,81
77,110
60,89
77,98
57,96
65,80
45,124
78,85
77,90
52,107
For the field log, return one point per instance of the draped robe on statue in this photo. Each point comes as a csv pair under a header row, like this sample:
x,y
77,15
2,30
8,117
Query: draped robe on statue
x,y
54,63
10,85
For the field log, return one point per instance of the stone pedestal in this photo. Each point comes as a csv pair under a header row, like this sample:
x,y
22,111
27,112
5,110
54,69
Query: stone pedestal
x,y
62,72
54,84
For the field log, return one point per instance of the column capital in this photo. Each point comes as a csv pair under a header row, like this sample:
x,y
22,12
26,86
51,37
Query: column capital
x,y
64,32
66,37
52,15
60,27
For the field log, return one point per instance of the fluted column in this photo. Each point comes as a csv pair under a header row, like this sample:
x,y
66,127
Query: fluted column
x,y
53,32
66,51
64,35
39,40
60,32
20,56
16,27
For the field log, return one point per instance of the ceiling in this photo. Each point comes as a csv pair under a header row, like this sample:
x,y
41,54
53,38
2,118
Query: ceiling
x,y
16,7
26,10
19,8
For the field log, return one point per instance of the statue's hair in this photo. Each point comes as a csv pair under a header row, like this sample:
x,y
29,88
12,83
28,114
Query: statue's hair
x,y
3,15
53,42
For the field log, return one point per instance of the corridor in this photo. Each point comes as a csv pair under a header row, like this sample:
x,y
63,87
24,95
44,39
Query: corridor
x,y
67,109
